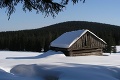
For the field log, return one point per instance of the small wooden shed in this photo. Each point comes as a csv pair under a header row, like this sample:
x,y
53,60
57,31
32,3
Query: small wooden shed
x,y
78,43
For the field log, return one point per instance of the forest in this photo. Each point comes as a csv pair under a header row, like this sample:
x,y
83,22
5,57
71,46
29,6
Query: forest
x,y
38,39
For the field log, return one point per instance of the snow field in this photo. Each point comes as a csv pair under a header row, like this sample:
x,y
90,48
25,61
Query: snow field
x,y
55,66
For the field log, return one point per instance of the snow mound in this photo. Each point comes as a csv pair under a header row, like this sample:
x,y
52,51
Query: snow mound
x,y
75,72
51,53
91,72
35,71
5,76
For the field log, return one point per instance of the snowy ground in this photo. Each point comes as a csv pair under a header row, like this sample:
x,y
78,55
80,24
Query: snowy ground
x,y
55,66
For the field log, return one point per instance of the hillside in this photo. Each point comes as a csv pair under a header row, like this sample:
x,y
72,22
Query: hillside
x,y
36,39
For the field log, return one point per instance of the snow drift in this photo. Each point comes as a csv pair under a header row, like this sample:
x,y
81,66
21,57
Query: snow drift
x,y
55,66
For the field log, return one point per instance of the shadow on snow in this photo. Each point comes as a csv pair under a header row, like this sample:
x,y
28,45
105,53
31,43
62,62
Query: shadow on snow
x,y
43,55
69,72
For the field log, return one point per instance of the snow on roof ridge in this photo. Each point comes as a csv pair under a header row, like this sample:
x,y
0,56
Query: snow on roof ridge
x,y
97,36
63,42
78,37
79,33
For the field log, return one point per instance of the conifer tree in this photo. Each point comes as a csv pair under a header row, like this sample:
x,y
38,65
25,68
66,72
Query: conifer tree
x,y
47,7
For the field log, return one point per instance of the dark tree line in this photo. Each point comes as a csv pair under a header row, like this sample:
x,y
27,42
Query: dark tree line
x,y
38,39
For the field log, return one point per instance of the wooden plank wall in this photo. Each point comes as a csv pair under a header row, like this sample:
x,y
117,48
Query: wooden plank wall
x,y
87,41
86,52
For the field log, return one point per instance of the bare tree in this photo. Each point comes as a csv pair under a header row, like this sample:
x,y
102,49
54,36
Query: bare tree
x,y
47,7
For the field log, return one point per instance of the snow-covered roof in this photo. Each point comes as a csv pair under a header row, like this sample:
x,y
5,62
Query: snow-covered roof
x,y
69,38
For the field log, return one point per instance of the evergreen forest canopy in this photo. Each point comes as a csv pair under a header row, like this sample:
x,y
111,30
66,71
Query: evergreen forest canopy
x,y
38,39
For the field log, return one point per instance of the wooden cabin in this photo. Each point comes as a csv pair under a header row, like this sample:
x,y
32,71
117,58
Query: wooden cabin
x,y
78,43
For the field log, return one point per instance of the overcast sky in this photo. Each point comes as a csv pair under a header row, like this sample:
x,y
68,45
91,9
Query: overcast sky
x,y
103,11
